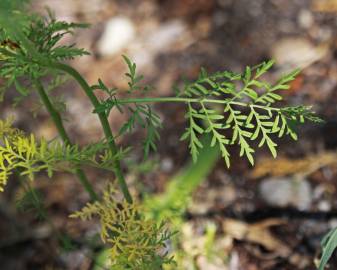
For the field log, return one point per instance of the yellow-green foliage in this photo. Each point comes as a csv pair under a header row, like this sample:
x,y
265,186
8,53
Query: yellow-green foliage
x,y
29,156
6,129
136,242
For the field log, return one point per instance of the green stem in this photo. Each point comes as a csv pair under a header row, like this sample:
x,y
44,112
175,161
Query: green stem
x,y
54,114
104,122
191,100
100,108
102,116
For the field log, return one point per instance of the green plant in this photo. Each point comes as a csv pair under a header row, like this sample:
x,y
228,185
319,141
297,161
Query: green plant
x,y
247,113
232,108
174,201
329,244
137,241
28,155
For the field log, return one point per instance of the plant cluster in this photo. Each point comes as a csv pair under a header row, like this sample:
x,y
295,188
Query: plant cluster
x,y
29,156
136,241
231,114
232,108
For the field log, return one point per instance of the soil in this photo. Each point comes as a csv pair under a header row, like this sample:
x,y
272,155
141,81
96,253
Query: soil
x,y
217,35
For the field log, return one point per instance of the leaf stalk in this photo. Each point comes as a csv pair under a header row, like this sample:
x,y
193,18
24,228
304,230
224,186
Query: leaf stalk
x,y
55,116
104,122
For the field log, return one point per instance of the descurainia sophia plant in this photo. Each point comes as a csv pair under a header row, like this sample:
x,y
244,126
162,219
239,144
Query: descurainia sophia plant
x,y
233,108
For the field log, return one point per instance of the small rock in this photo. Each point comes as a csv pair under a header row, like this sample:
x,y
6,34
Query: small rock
x,y
292,53
305,19
324,206
119,31
234,262
167,165
282,192
333,223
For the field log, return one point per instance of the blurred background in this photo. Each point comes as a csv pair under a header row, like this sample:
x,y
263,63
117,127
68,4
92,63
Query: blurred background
x,y
282,207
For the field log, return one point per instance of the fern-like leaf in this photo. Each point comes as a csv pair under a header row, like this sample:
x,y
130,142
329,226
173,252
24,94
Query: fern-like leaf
x,y
135,241
249,113
30,156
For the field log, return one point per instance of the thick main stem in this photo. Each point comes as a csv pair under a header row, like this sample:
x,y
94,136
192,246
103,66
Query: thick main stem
x,y
54,114
102,116
104,122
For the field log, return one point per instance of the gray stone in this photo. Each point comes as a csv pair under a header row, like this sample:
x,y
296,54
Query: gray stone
x,y
297,52
118,33
305,19
282,192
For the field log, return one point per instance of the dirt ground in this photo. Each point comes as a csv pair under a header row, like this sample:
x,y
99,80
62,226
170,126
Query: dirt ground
x,y
171,39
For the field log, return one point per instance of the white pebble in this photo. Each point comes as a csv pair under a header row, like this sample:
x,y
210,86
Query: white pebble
x,y
282,192
305,19
118,33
